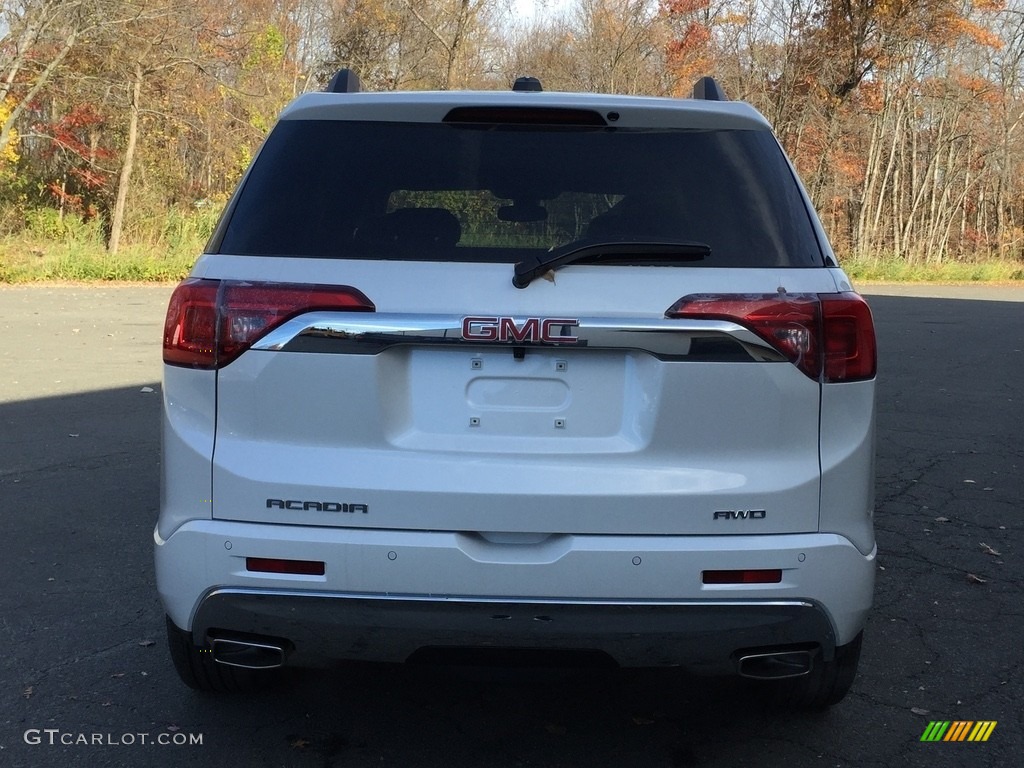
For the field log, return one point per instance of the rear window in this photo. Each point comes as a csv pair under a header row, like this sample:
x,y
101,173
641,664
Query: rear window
x,y
337,189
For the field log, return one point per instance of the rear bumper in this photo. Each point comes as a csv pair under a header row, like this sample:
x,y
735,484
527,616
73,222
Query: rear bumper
x,y
640,599
703,637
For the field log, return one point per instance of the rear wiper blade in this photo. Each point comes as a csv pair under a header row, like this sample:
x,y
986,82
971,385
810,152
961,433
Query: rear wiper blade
x,y
660,251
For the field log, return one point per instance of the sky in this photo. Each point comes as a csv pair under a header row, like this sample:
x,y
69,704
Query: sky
x,y
530,8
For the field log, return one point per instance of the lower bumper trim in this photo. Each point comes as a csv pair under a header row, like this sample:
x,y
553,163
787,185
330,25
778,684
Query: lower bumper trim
x,y
701,636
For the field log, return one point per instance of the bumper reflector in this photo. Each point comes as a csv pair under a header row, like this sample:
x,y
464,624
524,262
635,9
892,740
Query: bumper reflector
x,y
767,576
275,565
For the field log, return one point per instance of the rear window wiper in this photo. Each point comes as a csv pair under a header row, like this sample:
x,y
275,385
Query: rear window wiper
x,y
616,252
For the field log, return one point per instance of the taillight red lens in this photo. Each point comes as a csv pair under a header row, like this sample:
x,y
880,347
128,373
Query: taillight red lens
x,y
190,328
828,337
849,331
211,322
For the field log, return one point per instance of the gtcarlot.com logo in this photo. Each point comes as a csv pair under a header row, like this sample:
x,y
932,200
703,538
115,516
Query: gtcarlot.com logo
x,y
958,730
55,737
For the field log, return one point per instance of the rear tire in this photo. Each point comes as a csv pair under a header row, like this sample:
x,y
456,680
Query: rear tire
x,y
826,684
197,669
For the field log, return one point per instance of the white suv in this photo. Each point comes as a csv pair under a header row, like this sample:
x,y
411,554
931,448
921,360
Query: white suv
x,y
519,371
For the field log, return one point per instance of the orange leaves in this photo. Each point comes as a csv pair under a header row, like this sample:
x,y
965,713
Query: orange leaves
x,y
977,87
688,57
977,33
849,167
871,96
692,41
682,7
739,19
688,51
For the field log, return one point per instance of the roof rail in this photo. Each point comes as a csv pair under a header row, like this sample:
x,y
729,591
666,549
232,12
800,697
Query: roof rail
x,y
707,88
527,84
346,81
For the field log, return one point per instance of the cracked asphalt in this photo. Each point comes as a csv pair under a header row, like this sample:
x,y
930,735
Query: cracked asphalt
x,y
82,633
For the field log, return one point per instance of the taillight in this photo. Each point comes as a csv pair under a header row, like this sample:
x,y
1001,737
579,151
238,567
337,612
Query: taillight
x,y
829,337
211,322
190,328
850,351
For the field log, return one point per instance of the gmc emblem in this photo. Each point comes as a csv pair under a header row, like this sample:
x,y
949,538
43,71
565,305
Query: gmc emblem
x,y
506,329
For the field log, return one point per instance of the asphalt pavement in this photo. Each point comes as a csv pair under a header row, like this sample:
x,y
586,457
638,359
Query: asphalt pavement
x,y
86,679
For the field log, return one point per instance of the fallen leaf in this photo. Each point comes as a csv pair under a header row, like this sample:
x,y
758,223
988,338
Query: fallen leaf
x,y
941,519
919,711
147,643
118,674
549,275
27,693
969,481
988,550
972,579
107,704
299,743
147,390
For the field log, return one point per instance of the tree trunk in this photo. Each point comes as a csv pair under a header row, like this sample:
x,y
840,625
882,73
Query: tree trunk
x,y
117,215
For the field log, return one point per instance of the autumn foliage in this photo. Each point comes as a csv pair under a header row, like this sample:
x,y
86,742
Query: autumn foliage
x,y
903,117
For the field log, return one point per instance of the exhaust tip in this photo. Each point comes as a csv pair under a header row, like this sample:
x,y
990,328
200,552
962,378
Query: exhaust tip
x,y
247,654
777,665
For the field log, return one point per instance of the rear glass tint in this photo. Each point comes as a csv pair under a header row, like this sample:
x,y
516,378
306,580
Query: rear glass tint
x,y
337,189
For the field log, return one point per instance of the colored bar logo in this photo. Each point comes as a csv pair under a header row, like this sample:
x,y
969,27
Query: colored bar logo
x,y
958,730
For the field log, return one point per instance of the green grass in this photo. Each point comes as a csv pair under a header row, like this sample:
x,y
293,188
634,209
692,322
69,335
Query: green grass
x,y
30,258
46,246
889,269
24,260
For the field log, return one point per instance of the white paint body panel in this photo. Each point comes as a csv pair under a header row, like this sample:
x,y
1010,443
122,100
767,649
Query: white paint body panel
x,y
822,568
619,442
572,474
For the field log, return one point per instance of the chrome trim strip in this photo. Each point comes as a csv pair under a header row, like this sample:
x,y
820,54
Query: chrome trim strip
x,y
746,602
366,333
